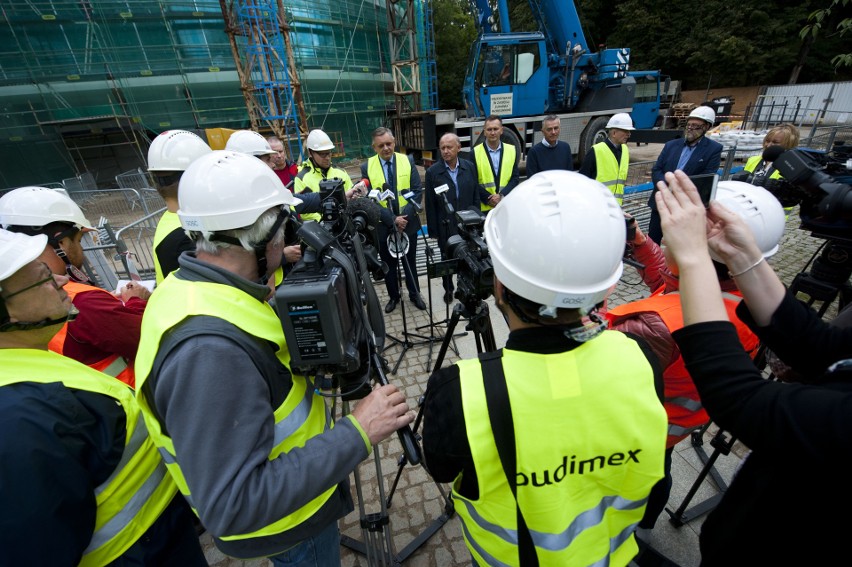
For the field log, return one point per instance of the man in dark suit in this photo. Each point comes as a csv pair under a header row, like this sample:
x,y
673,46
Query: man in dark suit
x,y
694,154
457,179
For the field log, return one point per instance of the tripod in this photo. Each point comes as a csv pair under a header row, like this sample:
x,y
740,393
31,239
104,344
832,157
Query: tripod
x,y
377,544
405,342
479,321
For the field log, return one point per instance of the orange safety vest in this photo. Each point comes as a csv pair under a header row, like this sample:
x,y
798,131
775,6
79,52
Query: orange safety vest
x,y
682,403
113,365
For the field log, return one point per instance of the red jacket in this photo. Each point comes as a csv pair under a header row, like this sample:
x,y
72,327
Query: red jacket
x,y
654,319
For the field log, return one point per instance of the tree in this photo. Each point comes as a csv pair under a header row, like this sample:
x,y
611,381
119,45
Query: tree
x,y
836,17
455,32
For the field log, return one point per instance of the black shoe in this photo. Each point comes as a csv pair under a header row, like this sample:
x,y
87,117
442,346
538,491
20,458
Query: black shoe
x,y
418,302
448,296
391,305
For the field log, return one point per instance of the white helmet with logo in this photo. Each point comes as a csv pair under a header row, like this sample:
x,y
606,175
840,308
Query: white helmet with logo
x,y
704,113
761,211
249,142
174,150
558,239
39,206
319,141
226,190
622,121
18,250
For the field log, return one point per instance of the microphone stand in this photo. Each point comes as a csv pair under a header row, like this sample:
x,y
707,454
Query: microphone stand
x,y
405,342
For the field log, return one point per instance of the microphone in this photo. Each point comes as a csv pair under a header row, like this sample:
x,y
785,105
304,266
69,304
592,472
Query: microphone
x,y
771,153
440,191
364,212
410,198
362,187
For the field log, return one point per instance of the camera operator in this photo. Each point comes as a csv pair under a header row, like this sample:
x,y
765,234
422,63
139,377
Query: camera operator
x,y
777,509
250,444
589,434
397,173
655,318
464,192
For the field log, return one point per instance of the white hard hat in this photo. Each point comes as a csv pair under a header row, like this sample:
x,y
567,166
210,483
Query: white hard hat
x,y
704,113
761,211
249,142
39,206
319,141
18,250
174,150
557,239
226,190
622,121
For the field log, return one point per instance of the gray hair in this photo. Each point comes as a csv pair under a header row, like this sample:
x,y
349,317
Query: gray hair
x,y
247,236
381,131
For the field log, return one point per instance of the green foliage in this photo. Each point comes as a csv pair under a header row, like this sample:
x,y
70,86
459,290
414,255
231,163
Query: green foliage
x,y
826,17
455,32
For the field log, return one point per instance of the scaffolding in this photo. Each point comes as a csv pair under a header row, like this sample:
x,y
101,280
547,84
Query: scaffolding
x,y
85,85
260,41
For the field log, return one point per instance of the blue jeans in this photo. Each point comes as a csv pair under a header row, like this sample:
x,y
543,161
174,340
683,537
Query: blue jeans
x,y
321,550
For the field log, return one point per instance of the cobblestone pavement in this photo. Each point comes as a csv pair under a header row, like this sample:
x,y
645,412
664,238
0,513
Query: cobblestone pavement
x,y
416,502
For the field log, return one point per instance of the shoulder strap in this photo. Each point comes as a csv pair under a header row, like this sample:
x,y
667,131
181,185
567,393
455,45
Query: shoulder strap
x,y
502,424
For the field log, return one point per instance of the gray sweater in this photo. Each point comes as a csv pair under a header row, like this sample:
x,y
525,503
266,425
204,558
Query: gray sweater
x,y
215,389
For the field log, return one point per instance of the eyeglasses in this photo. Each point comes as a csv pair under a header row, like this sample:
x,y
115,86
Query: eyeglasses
x,y
39,283
322,154
694,126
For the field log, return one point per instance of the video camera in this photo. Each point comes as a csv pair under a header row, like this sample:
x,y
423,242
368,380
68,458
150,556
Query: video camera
x,y
466,254
820,184
328,309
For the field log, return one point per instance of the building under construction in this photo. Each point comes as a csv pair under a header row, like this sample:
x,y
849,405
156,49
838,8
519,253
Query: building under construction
x,y
85,85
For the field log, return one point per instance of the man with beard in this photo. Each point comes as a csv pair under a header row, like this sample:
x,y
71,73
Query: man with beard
x,y
694,154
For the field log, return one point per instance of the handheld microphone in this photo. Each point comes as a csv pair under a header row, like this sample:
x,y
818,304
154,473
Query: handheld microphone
x,y
410,198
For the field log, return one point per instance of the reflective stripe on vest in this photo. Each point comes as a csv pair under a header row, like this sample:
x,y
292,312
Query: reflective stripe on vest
x,y
682,402
612,173
301,416
169,223
308,180
485,172
138,490
565,482
402,172
113,365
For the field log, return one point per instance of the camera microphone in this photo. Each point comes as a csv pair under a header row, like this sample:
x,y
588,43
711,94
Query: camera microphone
x,y
364,212
771,153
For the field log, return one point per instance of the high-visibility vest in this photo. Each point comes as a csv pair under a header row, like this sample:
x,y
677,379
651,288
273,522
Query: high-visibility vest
x,y
139,490
682,402
114,364
300,417
402,172
308,180
610,172
169,223
751,166
590,438
485,172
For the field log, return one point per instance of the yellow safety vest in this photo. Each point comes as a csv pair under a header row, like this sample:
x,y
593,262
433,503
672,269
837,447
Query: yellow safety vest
x,y
300,417
169,222
308,180
752,164
590,437
486,174
612,173
139,490
402,170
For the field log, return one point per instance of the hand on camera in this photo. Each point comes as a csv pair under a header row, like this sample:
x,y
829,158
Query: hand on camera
x,y
292,253
383,412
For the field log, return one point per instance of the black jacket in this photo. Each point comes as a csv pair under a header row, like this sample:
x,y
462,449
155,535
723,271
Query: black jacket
x,y
471,195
